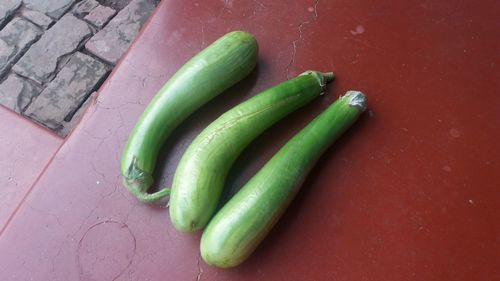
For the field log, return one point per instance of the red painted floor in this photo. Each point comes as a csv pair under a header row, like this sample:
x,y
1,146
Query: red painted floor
x,y
409,193
26,149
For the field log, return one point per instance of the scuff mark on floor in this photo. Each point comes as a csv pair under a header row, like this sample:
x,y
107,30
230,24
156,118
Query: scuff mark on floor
x,y
200,269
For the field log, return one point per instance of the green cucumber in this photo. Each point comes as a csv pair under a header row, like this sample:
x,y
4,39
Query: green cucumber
x,y
202,170
206,75
243,222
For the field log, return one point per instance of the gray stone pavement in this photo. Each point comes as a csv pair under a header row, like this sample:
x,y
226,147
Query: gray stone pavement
x,y
54,54
112,41
7,8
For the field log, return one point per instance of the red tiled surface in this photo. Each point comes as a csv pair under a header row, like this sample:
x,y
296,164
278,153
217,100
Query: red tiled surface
x,y
25,149
410,193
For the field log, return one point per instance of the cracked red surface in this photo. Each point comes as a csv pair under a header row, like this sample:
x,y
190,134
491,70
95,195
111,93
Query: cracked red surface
x,y
409,193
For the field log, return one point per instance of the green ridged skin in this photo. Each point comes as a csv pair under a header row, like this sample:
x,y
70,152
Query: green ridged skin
x,y
238,228
202,170
206,75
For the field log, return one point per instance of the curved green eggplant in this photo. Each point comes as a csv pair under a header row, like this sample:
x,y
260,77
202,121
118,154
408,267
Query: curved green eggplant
x,y
206,75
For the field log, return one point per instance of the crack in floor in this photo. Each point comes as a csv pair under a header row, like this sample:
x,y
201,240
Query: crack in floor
x,y
300,38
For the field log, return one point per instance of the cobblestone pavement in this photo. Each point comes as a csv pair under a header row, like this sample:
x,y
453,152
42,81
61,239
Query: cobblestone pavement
x,y
54,54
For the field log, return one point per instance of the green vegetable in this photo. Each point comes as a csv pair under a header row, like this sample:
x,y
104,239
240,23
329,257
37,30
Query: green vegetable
x,y
202,170
206,75
238,228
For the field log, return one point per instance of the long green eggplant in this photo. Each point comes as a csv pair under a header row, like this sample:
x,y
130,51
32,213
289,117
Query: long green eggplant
x,y
206,75
202,170
238,228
